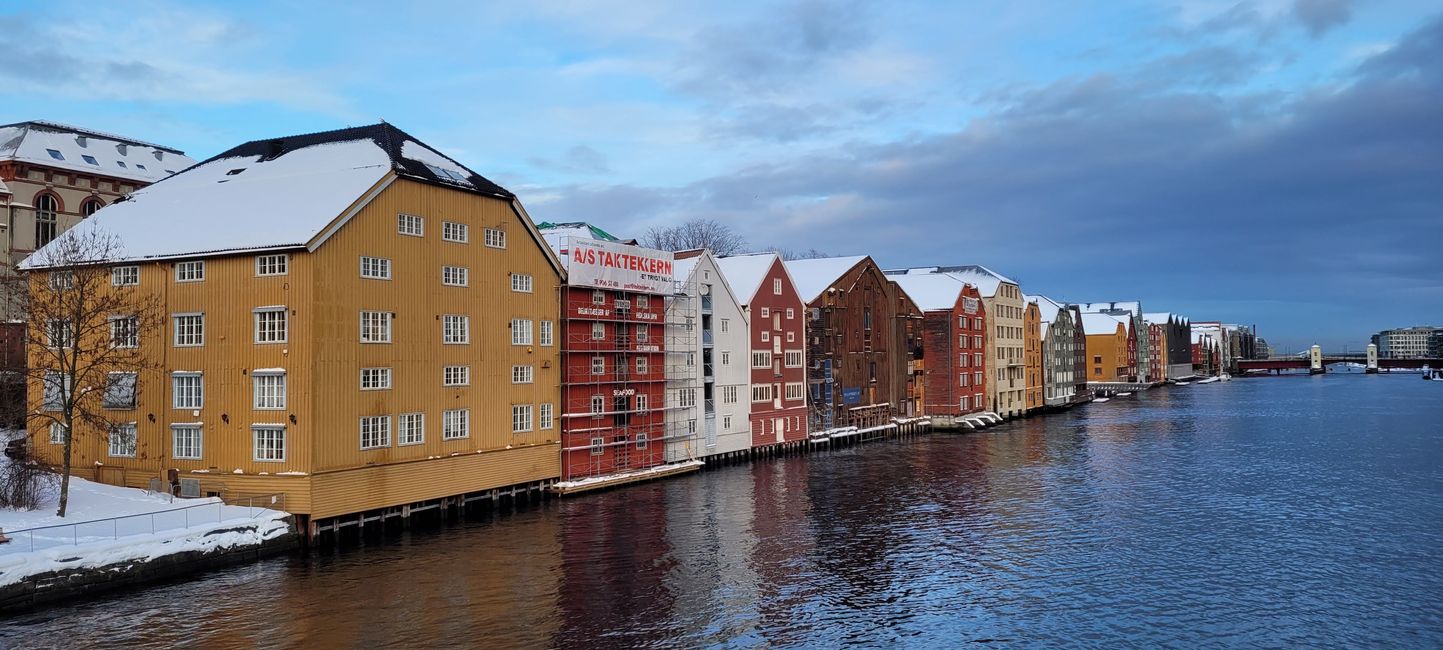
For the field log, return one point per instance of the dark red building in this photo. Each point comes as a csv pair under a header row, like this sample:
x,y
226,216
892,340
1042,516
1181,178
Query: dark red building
x,y
954,343
777,319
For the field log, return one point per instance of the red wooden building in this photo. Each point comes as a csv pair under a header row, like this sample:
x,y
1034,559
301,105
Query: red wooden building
x,y
954,343
613,329
776,317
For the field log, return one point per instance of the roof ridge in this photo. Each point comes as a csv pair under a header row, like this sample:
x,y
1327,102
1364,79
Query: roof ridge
x,y
61,126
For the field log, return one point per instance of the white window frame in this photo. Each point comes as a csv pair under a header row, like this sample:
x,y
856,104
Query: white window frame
x,y
598,365
523,374
641,402
179,451
523,283
270,433
598,331
455,424
273,264
455,329
383,323
758,356
285,321
378,429
375,268
598,404
57,433
795,391
729,394
123,338
456,376
455,276
123,432
643,366
411,225
520,412
191,271
105,395
776,286
643,301
546,337
495,238
199,330
375,378
272,401
766,312
792,358
125,276
761,393
545,416
406,425
453,231
521,331
176,391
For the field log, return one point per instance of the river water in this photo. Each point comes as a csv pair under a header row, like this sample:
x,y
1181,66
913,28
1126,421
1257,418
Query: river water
x,y
1279,511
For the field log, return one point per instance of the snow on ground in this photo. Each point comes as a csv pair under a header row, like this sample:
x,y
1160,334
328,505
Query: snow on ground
x,y
105,524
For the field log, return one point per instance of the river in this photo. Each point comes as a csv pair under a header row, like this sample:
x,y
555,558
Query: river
x,y
1262,512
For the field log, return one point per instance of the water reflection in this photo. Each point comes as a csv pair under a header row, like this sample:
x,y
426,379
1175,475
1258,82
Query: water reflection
x,y
1279,511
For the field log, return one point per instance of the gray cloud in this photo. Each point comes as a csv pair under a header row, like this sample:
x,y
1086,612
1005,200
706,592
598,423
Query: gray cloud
x,y
1319,16
579,159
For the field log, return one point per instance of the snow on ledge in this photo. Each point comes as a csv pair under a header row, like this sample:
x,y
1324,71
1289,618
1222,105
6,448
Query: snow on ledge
x,y
659,469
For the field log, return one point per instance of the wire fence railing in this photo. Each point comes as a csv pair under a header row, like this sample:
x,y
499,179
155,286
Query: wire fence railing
x,y
146,523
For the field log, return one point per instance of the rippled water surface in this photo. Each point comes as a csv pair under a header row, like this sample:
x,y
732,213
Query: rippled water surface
x,y
1281,511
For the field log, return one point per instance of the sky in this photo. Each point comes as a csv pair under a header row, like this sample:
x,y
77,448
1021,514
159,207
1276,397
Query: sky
x,y
1275,162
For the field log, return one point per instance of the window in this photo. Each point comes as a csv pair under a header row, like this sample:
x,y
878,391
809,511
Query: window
x,y
520,418
375,431
57,433
268,390
190,271
641,441
761,392
598,405
522,282
119,391
962,379
729,394
545,417
187,390
791,314
185,442
643,302
455,424
761,359
59,333
977,378
375,378
793,358
641,403
686,397
57,390
547,336
62,280
455,276
794,390
791,337
189,329
270,324
977,341
55,153
456,232
598,365
724,324
726,421
272,264
45,209
375,268
766,313
410,428
410,224
766,336
726,358
976,358
520,331
375,327
642,367
598,331
776,287
125,276
124,332
598,446
495,238
270,443
598,297
455,329
523,374
456,376
962,403
122,440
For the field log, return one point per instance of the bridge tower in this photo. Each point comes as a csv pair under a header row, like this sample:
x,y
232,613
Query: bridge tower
x,y
1372,368
1315,360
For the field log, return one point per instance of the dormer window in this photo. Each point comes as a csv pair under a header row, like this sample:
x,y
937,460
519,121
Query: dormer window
x,y
121,163
90,159
140,167
233,172
55,153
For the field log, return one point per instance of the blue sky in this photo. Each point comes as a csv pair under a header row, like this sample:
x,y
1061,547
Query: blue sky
x,y
1277,162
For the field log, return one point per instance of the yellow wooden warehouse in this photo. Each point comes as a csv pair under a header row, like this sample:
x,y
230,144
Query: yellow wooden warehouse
x,y
352,319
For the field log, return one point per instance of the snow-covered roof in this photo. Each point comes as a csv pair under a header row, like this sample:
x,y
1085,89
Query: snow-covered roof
x,y
1048,307
930,292
812,277
269,194
745,273
1160,317
68,147
1097,324
681,268
557,233
1131,307
986,280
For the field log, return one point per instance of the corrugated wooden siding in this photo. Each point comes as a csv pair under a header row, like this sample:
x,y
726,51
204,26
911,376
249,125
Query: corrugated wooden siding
x,y
355,490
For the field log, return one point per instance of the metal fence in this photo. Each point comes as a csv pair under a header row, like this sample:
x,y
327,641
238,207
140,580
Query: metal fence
x,y
146,523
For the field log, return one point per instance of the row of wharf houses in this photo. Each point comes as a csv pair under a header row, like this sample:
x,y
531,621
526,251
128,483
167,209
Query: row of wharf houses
x,y
360,323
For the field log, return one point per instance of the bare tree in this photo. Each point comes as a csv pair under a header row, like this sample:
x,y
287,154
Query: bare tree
x,y
796,254
696,233
83,327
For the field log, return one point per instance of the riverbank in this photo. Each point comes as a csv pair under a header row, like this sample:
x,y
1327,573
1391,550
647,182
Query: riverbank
x,y
114,537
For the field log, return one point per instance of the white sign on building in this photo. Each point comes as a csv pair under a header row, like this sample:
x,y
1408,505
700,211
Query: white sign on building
x,y
618,267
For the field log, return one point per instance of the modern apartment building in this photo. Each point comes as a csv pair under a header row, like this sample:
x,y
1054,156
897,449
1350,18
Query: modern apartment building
x,y
353,320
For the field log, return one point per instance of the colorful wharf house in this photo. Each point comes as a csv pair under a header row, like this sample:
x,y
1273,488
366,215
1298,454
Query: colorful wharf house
x,y
1109,348
352,320
1079,357
1175,341
857,348
708,371
1058,353
1141,360
954,342
1032,354
777,319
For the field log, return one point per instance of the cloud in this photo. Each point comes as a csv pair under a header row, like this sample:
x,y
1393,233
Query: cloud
x,y
579,159
1319,16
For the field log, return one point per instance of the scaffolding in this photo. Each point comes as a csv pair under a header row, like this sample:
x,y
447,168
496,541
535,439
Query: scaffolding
x,y
689,368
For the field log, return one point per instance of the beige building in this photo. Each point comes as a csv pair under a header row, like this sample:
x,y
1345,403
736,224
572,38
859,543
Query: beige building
x,y
53,175
1006,356
352,319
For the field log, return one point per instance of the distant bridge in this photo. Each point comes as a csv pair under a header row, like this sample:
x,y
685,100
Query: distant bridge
x,y
1316,362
